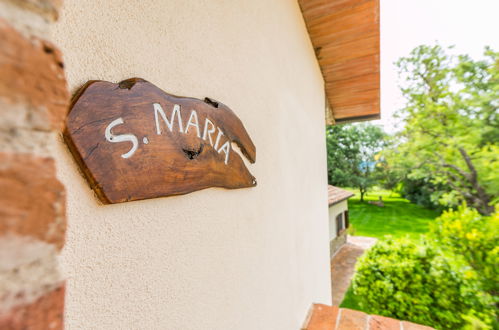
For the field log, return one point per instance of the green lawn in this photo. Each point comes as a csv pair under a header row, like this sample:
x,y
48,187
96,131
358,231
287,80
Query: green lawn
x,y
397,218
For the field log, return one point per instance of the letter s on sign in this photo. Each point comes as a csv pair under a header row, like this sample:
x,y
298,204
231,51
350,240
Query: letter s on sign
x,y
122,137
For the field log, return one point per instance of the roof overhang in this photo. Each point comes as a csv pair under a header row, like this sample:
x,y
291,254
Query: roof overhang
x,y
345,35
337,195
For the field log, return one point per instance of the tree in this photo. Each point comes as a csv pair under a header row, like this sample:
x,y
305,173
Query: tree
x,y
471,240
351,155
451,129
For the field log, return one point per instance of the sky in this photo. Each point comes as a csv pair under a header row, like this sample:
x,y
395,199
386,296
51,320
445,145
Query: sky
x,y
469,25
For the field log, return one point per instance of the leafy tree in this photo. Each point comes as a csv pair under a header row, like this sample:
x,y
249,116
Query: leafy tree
x,y
471,241
351,155
451,129
424,192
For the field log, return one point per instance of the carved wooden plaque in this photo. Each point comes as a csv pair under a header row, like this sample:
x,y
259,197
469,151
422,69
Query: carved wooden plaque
x,y
134,141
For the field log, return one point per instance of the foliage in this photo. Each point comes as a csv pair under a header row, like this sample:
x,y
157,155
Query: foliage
x,y
451,131
471,240
351,155
448,281
407,281
424,192
351,301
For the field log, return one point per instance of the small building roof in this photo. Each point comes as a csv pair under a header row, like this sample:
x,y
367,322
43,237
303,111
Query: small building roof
x,y
336,195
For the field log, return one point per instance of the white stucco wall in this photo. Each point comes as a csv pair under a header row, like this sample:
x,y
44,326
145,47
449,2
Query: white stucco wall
x,y
214,259
334,210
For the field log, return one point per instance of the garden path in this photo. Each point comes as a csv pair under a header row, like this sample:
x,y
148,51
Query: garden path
x,y
343,264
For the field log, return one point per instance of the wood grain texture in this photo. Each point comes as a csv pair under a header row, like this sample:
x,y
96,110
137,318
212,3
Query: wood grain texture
x,y
168,160
345,35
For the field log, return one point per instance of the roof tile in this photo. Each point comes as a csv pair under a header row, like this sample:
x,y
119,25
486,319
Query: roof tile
x,y
352,320
336,195
413,326
324,317
383,323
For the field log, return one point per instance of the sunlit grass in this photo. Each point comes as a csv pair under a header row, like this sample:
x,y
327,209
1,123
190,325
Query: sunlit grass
x,y
397,218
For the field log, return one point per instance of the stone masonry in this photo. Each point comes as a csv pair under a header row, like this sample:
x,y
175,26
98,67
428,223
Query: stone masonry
x,y
33,105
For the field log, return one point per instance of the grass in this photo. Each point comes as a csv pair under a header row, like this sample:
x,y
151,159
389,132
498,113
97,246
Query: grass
x,y
351,301
398,218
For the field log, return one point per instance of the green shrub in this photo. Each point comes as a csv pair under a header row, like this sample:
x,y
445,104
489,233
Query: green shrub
x,y
403,280
447,281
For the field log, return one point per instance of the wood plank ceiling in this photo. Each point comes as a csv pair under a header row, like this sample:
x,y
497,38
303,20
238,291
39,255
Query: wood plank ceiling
x,y
345,35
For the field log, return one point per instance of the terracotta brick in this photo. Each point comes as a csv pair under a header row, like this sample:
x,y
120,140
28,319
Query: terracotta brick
x,y
32,200
48,8
352,320
322,317
45,313
32,74
413,326
383,323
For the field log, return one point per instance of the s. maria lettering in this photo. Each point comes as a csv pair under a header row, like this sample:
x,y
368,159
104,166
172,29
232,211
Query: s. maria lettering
x,y
161,120
208,130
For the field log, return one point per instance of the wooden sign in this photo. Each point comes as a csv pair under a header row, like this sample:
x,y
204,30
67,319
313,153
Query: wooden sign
x,y
133,141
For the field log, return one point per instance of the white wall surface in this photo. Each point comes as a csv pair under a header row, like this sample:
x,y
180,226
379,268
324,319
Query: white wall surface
x,y
214,259
334,210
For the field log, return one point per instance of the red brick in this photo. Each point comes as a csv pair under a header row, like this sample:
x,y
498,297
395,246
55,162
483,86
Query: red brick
x,y
383,323
45,313
32,200
322,317
47,8
352,320
32,74
413,326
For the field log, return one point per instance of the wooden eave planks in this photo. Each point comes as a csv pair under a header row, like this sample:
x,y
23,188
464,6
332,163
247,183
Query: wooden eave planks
x,y
345,35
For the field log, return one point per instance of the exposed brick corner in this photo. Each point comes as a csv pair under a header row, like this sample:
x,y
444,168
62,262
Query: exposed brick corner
x,y
47,8
47,312
33,200
33,103
33,75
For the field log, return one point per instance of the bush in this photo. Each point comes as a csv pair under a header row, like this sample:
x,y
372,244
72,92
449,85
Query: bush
x,y
399,279
449,280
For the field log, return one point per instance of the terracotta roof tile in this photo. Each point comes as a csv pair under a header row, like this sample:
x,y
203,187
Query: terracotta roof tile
x,y
320,316
323,317
352,320
336,195
413,326
383,323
